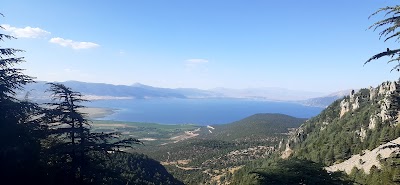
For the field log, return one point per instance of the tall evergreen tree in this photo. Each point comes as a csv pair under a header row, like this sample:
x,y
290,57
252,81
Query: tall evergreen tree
x,y
19,131
390,31
12,79
77,146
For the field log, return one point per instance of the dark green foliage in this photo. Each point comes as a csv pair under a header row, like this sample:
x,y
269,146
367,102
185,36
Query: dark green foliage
x,y
19,132
386,175
292,171
76,147
255,126
390,31
213,150
20,150
328,138
132,168
11,78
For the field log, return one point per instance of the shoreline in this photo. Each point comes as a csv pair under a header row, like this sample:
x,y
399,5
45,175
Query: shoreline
x,y
97,112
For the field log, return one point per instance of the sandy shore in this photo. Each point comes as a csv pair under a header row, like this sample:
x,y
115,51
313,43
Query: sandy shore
x,y
95,112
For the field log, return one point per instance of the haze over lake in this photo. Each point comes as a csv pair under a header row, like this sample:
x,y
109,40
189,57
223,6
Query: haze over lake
x,y
197,111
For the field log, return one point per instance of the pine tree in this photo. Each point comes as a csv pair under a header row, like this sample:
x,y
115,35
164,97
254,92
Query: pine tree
x,y
19,131
391,24
76,145
390,31
12,79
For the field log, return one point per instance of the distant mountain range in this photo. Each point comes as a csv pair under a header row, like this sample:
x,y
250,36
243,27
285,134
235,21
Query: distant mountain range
x,y
109,91
267,93
324,101
95,91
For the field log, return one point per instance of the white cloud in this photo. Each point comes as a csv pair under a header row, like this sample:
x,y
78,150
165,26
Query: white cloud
x,y
196,65
73,44
196,61
30,32
192,63
27,32
68,70
121,52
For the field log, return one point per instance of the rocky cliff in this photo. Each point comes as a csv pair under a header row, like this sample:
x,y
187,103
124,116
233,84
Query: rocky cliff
x,y
357,123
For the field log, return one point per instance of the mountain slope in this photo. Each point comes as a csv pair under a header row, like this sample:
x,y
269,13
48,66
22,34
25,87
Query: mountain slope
x,y
352,125
367,159
324,101
217,151
133,168
257,125
101,90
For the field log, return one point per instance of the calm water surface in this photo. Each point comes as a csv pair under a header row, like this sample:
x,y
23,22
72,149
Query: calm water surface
x,y
197,111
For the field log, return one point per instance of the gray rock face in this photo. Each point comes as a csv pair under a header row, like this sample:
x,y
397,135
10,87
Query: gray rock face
x,y
356,103
344,107
372,93
350,104
385,90
294,138
352,95
387,87
385,105
377,98
372,122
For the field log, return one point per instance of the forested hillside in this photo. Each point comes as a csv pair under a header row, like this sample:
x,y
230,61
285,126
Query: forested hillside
x,y
353,125
217,151
258,125
349,126
359,122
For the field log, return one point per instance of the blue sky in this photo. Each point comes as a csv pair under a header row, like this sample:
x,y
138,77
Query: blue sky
x,y
310,45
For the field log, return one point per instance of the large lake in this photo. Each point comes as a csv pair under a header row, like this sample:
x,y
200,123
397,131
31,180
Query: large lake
x,y
197,111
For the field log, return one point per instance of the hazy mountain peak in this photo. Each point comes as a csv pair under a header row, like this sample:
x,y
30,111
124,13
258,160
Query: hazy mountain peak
x,y
137,84
139,90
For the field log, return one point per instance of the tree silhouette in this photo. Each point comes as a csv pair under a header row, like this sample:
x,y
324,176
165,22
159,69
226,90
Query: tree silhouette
x,y
20,132
390,31
76,146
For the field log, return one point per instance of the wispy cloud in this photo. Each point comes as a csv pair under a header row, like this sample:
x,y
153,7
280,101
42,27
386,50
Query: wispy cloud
x,y
73,44
30,32
68,70
27,32
195,62
121,52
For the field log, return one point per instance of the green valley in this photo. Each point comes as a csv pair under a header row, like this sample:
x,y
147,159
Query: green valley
x,y
207,154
